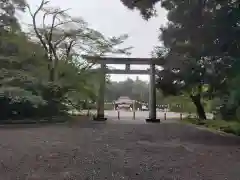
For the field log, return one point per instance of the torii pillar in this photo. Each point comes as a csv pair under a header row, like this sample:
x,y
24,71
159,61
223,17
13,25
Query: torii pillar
x,y
152,96
100,101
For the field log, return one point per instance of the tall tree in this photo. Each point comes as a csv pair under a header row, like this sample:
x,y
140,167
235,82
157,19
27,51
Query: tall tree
x,y
198,47
66,37
199,53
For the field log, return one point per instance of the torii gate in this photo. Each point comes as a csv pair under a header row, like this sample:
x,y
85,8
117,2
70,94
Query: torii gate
x,y
103,61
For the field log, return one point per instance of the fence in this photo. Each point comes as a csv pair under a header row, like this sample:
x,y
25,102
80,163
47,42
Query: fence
x,y
137,115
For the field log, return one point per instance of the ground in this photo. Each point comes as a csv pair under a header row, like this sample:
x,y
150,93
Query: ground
x,y
140,115
128,149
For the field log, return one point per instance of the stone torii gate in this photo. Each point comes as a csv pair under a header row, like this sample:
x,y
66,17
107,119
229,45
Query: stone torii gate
x,y
103,61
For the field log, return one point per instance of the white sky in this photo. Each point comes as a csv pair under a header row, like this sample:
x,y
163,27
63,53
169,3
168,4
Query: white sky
x,y
113,19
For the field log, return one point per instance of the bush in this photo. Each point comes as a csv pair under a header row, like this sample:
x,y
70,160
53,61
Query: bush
x,y
18,103
232,127
184,107
54,95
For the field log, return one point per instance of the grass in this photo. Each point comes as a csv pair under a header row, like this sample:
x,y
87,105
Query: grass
x,y
232,127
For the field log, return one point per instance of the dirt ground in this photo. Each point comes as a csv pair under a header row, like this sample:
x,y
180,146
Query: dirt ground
x,y
117,151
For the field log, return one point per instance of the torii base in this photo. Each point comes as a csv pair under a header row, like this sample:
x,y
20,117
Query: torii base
x,y
153,120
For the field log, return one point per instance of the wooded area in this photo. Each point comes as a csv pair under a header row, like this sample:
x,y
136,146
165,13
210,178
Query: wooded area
x,y
43,73
201,48
139,90
44,78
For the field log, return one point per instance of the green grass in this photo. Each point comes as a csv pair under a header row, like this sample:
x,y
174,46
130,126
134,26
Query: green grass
x,y
232,127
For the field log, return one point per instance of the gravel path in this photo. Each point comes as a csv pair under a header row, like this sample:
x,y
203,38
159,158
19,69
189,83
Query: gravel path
x,y
92,151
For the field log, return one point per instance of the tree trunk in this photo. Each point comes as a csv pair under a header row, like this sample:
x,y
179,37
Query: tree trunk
x,y
51,68
199,107
52,74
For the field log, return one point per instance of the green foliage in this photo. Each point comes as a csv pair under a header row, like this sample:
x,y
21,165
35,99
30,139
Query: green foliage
x,y
198,51
146,7
19,103
26,89
7,16
67,38
137,90
18,95
219,125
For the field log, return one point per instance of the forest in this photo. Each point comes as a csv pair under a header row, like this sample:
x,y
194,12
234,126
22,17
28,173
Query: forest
x,y
201,49
43,73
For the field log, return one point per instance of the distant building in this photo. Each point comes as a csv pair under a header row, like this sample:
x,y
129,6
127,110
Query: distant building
x,y
124,102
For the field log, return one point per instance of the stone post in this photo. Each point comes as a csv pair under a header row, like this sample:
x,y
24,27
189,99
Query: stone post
x,y
134,110
100,101
152,96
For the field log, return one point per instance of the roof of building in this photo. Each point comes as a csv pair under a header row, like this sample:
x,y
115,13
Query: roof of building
x,y
124,100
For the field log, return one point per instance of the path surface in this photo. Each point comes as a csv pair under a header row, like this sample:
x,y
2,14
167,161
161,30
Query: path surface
x,y
141,115
98,151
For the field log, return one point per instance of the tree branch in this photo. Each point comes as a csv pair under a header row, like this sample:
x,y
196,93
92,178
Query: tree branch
x,y
34,15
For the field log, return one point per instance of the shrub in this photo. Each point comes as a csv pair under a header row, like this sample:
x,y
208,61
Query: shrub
x,y
17,103
232,127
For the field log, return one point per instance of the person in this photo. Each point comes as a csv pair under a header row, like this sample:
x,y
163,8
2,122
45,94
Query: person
x,y
115,107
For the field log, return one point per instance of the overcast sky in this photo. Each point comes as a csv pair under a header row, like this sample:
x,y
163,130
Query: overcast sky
x,y
113,19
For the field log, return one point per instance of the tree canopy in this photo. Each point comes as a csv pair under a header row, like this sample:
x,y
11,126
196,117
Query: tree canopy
x,y
201,47
42,71
134,89
146,7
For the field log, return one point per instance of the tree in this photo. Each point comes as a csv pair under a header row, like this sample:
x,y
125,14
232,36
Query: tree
x,y
202,48
137,90
17,80
199,53
67,38
42,75
64,40
8,19
146,7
